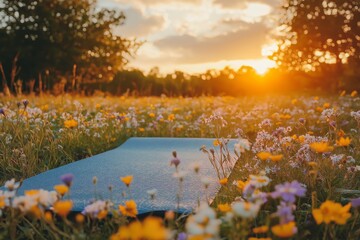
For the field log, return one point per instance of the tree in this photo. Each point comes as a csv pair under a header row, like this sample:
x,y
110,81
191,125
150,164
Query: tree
x,y
316,35
66,37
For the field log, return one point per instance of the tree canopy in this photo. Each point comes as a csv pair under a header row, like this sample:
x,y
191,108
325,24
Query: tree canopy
x,y
51,36
318,33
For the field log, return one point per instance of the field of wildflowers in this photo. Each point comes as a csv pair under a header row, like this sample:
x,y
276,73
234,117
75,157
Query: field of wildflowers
x,y
297,171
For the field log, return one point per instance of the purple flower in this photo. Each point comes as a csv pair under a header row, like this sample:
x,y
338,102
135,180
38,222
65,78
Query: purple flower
x,y
25,102
175,161
355,202
288,191
2,111
67,179
285,212
182,236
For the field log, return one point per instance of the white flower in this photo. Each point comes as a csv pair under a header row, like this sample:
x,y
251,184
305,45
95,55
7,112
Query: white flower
x,y
203,223
242,145
180,175
152,193
11,185
246,209
195,166
24,203
206,181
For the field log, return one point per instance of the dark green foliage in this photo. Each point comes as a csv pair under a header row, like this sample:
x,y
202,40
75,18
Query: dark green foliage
x,y
51,36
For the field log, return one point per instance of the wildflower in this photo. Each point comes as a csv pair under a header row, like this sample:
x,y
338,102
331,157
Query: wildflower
x,y
224,207
216,142
61,189
169,215
321,147
152,228
276,158
343,142
258,181
97,209
127,180
175,161
312,164
263,155
354,202
171,117
67,179
255,238
2,111
285,230
261,229
152,193
11,185
195,166
223,181
182,236
62,208
288,191
79,218
353,93
152,115
206,181
129,209
242,145
25,102
203,224
70,123
330,211
48,216
246,209
180,175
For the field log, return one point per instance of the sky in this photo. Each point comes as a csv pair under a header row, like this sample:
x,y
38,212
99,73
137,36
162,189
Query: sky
x,y
196,35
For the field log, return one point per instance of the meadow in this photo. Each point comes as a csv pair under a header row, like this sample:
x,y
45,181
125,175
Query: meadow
x,y
297,171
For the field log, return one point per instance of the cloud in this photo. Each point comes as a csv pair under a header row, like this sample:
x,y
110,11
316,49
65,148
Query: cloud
x,y
137,24
243,43
161,2
243,3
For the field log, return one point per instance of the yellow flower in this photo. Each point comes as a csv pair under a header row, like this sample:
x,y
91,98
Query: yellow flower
x,y
31,192
151,115
326,105
241,184
61,189
36,212
330,211
255,238
62,208
48,217
343,142
152,228
2,202
141,129
285,230
276,158
342,93
312,164
301,138
216,142
321,147
353,93
79,218
127,180
224,207
294,101
70,123
261,229
102,214
130,209
171,117
263,155
223,181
